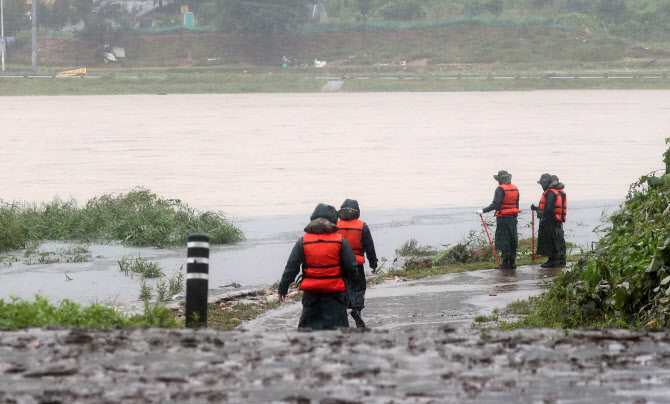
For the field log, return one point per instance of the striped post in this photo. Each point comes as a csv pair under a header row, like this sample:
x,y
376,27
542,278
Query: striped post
x,y
197,280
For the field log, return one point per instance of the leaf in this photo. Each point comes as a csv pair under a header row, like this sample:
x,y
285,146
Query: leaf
x,y
665,280
654,265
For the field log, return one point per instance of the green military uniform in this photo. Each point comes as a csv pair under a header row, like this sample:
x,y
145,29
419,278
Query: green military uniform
x,y
321,311
506,236
351,211
550,236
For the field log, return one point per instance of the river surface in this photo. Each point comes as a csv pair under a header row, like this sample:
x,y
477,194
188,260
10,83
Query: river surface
x,y
418,163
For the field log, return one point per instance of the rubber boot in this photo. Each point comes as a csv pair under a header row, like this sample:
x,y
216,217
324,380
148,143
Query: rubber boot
x,y
561,261
512,263
551,262
356,315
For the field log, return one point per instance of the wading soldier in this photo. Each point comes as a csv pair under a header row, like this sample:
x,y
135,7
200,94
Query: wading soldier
x,y
551,212
506,204
327,260
357,233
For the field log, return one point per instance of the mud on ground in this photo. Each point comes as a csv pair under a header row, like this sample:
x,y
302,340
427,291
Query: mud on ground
x,y
434,365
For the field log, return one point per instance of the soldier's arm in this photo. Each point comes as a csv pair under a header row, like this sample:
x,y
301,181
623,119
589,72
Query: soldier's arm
x,y
497,200
348,262
369,246
292,268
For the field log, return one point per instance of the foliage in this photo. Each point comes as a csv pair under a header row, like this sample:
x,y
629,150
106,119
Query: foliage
x,y
626,281
106,24
138,218
262,19
139,265
20,314
401,10
55,15
412,248
15,18
227,318
146,291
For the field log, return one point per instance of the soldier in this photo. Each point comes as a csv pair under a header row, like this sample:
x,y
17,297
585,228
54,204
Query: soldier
x,y
506,204
552,213
327,260
357,233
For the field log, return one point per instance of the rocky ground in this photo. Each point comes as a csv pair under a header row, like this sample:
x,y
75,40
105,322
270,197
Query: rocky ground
x,y
419,349
434,365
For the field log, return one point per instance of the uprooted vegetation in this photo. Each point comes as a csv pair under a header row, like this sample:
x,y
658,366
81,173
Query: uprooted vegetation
x,y
625,282
473,252
138,218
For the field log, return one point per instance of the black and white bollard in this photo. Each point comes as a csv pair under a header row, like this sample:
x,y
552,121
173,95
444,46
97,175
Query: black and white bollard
x,y
197,280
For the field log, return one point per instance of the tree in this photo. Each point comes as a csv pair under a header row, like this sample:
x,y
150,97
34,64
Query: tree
x,y
104,25
262,20
16,20
364,7
55,15
401,10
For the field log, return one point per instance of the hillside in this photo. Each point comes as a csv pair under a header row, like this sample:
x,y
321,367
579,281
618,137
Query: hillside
x,y
455,47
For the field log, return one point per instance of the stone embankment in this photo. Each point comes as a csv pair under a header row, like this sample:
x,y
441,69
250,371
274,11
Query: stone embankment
x,y
434,365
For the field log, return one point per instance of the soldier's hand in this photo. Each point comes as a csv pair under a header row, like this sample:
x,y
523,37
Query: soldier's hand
x,y
533,207
480,212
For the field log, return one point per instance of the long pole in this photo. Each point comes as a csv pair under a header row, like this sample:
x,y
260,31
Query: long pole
x,y
2,33
33,17
532,223
490,242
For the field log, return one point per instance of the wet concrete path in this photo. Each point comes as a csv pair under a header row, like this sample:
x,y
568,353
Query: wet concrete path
x,y
453,299
418,349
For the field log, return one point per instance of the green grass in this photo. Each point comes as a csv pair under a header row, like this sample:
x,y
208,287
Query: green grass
x,y
229,318
138,218
185,83
473,253
20,314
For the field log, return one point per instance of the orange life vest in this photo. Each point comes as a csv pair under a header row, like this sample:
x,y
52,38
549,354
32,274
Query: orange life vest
x,y
561,208
352,230
321,271
510,203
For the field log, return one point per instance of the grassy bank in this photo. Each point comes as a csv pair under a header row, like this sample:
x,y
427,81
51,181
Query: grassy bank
x,y
19,314
471,254
625,282
290,82
137,218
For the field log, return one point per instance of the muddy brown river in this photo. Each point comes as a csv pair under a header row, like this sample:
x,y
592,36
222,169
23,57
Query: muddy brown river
x,y
419,164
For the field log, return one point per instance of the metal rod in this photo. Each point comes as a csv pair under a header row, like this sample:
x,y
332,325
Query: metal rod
x,y
33,18
2,33
533,233
491,242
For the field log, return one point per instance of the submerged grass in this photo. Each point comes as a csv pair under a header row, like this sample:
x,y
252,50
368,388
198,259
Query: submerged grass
x,y
471,254
138,218
19,314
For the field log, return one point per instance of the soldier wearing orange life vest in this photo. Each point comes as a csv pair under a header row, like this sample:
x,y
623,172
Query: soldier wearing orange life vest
x,y
358,235
552,212
328,265
506,204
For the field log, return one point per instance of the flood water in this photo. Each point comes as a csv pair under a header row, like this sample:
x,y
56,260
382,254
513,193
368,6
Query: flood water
x,y
418,163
